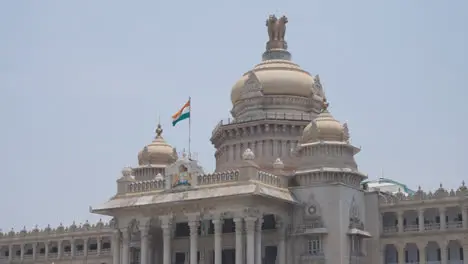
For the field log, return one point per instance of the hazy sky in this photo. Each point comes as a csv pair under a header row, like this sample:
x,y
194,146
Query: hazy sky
x,y
83,82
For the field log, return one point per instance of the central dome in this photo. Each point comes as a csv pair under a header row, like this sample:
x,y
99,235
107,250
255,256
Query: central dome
x,y
158,152
277,77
276,74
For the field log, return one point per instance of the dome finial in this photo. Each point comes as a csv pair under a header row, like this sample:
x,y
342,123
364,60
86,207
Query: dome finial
x,y
276,47
159,130
325,105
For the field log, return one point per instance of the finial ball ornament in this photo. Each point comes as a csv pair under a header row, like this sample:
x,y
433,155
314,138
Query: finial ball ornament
x,y
248,155
127,171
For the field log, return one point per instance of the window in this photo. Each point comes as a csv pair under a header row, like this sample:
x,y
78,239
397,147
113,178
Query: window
x,y
229,226
179,258
67,249
182,230
106,245
93,247
269,222
314,246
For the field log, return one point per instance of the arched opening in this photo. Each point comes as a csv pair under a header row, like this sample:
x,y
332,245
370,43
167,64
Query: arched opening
x,y
433,252
391,254
411,253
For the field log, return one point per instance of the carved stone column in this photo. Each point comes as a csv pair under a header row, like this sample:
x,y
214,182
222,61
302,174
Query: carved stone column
x,y
86,246
99,245
281,227
22,252
250,228
239,239
421,220
443,222
422,252
34,245
59,249
443,251
125,246
464,218
46,250
144,230
193,224
73,248
115,247
400,221
218,225
258,238
401,253
166,225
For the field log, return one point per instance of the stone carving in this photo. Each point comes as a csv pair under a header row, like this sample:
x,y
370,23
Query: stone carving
x,y
248,155
145,158
318,85
252,86
312,208
355,216
276,27
183,178
422,196
346,132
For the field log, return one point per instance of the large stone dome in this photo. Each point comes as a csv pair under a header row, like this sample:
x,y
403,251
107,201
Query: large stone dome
x,y
277,77
158,152
277,74
325,128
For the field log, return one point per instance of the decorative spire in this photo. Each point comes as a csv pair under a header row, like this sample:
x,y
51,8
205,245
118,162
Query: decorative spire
x,y
276,47
325,105
159,130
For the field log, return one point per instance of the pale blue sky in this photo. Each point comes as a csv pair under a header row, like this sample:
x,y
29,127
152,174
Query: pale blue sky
x,y
83,82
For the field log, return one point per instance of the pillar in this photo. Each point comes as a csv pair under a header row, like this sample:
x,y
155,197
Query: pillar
x,y
34,245
99,245
258,243
193,224
167,231
144,230
86,246
73,248
250,228
59,249
443,251
22,252
400,221
281,227
218,225
464,217
443,223
46,251
115,247
239,245
421,220
422,252
401,253
125,246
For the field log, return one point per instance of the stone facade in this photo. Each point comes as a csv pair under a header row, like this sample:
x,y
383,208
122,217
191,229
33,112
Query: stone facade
x,y
286,190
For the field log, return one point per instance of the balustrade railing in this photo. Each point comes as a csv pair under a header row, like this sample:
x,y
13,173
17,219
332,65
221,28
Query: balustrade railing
x,y
268,178
218,177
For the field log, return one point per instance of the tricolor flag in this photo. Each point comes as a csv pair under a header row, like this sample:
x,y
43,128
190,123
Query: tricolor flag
x,y
182,114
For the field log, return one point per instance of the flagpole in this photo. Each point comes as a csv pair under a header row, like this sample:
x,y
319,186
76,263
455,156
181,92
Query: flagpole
x,y
189,128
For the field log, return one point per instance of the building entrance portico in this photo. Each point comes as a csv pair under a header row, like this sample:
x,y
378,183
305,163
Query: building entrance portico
x,y
206,238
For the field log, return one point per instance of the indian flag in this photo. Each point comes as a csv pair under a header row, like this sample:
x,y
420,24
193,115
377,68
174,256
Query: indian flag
x,y
182,114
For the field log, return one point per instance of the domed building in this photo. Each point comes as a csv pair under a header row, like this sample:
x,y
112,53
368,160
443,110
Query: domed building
x,y
286,189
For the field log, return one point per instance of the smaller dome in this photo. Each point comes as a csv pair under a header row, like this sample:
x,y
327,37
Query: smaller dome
x,y
325,128
158,152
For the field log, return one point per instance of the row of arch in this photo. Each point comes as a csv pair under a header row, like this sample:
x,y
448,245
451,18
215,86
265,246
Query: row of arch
x,y
433,252
91,246
432,217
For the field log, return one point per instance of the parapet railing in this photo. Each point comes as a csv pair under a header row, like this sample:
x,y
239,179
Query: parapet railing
x,y
268,178
48,231
205,180
266,116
